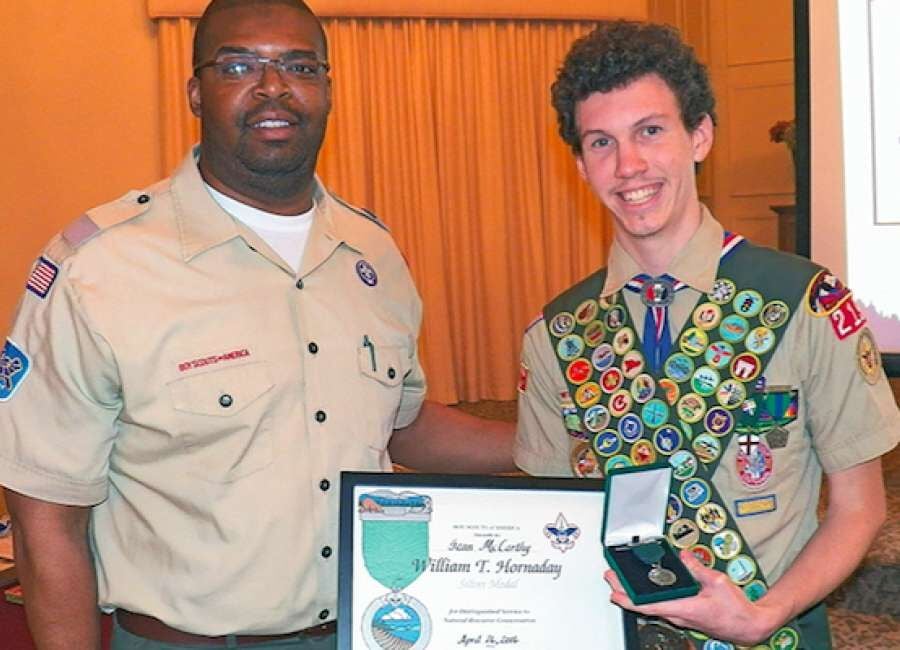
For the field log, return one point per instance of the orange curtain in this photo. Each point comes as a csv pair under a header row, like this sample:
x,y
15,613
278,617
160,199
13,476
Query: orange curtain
x,y
444,129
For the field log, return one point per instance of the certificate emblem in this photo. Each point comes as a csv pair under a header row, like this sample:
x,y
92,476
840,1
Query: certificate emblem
x,y
395,553
562,534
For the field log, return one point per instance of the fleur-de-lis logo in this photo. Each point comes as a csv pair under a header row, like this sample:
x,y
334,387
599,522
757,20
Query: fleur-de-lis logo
x,y
9,368
562,534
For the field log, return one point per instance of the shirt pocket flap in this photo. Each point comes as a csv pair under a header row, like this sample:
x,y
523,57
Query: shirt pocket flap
x,y
221,393
387,364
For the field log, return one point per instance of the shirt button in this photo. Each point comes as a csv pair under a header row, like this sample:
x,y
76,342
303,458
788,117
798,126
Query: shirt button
x,y
321,416
326,551
143,198
312,347
324,484
391,373
323,614
225,400
299,284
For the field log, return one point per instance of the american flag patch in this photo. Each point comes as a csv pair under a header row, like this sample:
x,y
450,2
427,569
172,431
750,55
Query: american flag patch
x,y
42,277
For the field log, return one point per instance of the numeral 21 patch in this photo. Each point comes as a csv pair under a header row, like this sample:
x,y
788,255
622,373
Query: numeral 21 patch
x,y
847,319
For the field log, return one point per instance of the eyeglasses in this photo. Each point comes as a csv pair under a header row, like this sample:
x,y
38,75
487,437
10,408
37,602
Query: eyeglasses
x,y
249,67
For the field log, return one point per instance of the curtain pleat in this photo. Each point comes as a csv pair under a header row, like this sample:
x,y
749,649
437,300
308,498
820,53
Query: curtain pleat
x,y
180,129
444,129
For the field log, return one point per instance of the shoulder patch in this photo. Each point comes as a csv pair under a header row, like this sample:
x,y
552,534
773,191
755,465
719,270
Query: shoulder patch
x,y
825,294
14,366
361,212
42,277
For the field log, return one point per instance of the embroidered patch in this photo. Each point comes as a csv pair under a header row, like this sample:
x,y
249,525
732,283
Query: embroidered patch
x,y
868,357
213,359
847,318
523,378
42,277
366,273
825,294
755,506
14,366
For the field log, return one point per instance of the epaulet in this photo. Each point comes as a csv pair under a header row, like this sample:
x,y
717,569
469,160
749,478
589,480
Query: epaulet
x,y
361,212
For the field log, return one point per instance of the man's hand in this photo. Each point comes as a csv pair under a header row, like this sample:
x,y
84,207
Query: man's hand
x,y
720,610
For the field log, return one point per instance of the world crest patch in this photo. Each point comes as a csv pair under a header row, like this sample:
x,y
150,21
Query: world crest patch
x,y
14,366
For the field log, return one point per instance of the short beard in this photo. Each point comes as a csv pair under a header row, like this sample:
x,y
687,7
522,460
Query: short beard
x,y
277,176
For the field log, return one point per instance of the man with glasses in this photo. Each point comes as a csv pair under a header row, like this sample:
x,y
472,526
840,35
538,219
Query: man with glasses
x,y
193,365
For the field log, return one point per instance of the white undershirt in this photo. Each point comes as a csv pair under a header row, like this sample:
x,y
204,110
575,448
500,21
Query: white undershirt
x,y
285,234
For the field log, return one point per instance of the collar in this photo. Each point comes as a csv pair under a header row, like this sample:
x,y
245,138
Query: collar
x,y
696,264
203,224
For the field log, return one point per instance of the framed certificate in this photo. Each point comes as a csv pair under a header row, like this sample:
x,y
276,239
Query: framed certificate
x,y
444,562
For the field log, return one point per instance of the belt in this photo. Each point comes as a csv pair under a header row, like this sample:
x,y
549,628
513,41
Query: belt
x,y
153,629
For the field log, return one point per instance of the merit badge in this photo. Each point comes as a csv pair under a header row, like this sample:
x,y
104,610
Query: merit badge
x,y
691,408
14,366
42,277
658,292
774,314
643,453
693,341
596,418
667,439
718,421
603,357
523,378
734,328
741,569
707,316
366,273
846,319
395,538
654,413
623,341
825,293
726,544
587,311
630,427
561,324
695,492
569,347
748,303
587,394
594,333
755,590
615,318
620,403
705,380
711,518
868,357
579,371
683,533
731,393
719,354
584,462
562,534
670,390
704,555
632,364
684,464
715,644
722,292
643,387
707,448
616,462
746,366
760,340
679,367
611,380
785,639
607,443
673,509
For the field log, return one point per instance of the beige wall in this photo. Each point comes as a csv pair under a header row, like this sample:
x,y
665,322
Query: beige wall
x,y
79,119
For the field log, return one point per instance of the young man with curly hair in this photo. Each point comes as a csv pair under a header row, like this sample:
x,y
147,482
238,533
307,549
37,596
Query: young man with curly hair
x,y
751,372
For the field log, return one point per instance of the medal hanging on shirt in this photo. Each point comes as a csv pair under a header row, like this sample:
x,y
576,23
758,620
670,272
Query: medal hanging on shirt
x,y
651,554
395,553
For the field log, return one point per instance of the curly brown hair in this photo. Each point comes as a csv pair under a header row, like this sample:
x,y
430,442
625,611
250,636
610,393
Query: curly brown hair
x,y
616,53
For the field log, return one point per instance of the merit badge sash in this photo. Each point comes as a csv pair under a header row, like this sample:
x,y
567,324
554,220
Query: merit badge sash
x,y
707,391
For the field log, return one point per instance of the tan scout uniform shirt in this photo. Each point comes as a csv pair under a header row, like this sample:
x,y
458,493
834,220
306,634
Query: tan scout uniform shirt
x,y
189,386
842,420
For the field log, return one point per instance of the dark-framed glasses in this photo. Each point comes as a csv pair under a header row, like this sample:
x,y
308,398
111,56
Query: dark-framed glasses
x,y
250,67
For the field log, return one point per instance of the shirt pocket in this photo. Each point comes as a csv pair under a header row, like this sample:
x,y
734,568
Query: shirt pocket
x,y
224,422
382,369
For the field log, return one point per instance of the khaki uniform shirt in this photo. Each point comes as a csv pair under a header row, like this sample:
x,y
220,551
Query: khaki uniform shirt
x,y
843,419
204,398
